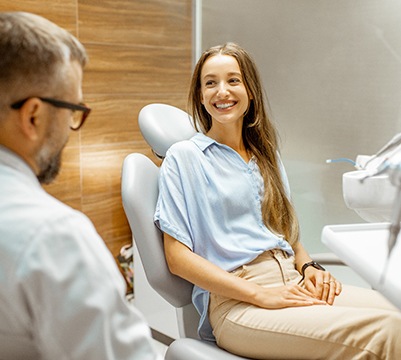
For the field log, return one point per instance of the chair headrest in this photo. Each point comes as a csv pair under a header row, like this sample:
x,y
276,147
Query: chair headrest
x,y
163,125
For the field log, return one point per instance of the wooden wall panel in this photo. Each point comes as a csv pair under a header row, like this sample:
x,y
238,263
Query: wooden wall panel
x,y
155,23
115,117
62,12
123,69
140,52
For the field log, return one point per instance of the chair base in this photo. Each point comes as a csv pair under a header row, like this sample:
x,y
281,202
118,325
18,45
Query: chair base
x,y
186,348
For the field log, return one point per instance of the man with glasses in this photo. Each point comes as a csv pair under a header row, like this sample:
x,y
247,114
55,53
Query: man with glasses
x,y
61,293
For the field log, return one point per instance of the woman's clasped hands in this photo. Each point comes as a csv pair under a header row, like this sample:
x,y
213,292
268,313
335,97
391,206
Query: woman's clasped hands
x,y
320,288
322,285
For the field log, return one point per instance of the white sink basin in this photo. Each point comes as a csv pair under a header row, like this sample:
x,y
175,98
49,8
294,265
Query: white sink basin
x,y
371,199
364,247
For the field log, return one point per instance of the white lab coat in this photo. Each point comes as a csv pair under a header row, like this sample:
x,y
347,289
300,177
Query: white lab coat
x,y
61,293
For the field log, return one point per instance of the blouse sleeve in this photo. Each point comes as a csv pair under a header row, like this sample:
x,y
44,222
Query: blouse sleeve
x,y
171,215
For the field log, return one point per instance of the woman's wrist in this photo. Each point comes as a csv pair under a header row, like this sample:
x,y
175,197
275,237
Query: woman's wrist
x,y
313,264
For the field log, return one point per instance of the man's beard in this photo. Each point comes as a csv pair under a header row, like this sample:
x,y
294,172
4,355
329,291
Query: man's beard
x,y
47,159
49,169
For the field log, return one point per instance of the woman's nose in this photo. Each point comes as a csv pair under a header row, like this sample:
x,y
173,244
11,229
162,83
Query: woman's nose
x,y
222,89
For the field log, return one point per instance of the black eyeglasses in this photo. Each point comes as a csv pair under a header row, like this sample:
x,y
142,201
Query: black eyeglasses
x,y
80,111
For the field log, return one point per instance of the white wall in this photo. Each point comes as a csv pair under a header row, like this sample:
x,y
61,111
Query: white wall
x,y
332,73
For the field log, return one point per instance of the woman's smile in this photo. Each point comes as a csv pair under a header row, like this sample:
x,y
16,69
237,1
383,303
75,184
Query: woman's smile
x,y
225,105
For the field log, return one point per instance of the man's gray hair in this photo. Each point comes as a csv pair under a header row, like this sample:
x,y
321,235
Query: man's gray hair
x,y
34,53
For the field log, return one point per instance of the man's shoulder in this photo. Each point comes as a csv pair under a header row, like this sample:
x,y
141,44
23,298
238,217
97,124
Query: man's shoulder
x,y
27,211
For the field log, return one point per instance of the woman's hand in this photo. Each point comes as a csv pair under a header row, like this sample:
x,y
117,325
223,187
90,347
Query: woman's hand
x,y
322,284
285,296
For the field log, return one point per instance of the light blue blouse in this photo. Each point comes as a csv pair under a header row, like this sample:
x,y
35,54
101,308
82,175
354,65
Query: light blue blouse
x,y
210,200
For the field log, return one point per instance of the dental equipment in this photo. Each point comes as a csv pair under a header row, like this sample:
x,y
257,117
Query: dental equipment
x,y
329,161
391,166
395,176
391,145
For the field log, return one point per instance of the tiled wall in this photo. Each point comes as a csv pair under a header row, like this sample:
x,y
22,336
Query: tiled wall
x,y
140,52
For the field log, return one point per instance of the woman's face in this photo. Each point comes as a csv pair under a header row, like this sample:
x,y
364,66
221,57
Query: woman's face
x,y
223,91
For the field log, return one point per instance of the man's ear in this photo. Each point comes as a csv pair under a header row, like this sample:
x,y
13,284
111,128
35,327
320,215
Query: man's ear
x,y
30,117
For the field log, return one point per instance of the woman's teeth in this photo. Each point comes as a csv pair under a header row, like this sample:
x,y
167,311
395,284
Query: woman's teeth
x,y
224,106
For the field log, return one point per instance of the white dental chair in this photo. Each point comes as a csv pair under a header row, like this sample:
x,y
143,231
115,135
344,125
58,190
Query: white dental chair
x,y
162,125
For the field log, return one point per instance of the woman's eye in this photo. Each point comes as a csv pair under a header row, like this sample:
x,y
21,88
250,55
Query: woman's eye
x,y
234,81
209,83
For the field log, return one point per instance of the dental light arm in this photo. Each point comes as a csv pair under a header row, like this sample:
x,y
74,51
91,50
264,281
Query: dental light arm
x,y
395,176
394,230
395,222
391,145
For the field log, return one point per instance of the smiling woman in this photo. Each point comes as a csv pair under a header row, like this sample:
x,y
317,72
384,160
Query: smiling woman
x,y
236,237
251,132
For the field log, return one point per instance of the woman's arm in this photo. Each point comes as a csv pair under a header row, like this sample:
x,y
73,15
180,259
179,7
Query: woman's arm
x,y
320,283
201,272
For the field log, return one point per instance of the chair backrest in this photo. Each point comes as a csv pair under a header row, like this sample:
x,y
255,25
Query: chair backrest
x,y
139,191
161,125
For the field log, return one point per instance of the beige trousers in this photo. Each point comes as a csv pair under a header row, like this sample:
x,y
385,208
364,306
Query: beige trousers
x,y
360,325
